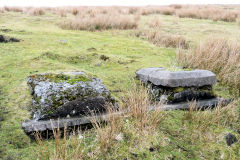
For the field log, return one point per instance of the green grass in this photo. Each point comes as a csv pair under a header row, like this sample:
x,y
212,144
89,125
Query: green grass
x,y
41,35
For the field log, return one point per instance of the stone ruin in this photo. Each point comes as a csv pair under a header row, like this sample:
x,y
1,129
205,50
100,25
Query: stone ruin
x,y
64,100
177,88
68,99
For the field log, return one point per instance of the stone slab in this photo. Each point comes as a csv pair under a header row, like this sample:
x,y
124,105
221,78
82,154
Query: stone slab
x,y
201,104
143,74
42,125
163,77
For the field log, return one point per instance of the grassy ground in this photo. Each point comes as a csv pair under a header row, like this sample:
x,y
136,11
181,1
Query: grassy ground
x,y
46,47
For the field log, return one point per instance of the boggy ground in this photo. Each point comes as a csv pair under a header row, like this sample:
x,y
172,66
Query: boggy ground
x,y
47,48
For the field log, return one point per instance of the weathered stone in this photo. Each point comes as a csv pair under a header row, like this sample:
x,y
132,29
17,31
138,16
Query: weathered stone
x,y
36,126
59,95
163,77
201,104
143,74
79,108
43,125
180,94
230,139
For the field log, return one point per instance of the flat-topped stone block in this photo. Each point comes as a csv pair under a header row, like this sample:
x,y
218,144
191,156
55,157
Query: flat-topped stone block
x,y
164,77
58,95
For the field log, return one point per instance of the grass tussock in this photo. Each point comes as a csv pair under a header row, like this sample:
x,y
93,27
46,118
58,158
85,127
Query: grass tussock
x,y
101,22
155,22
159,39
219,116
13,9
213,13
1,10
238,22
218,55
36,11
157,10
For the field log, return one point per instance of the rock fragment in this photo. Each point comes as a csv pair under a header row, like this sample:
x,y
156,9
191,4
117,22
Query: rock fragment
x,y
230,139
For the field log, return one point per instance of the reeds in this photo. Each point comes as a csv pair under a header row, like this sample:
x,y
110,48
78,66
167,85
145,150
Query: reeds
x,y
101,22
218,55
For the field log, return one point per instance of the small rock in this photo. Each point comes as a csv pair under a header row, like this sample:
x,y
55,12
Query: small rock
x,y
230,139
80,137
99,64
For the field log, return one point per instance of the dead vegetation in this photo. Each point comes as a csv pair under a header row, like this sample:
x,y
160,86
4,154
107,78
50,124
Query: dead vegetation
x,y
101,22
213,12
155,22
161,39
36,11
218,55
1,10
13,9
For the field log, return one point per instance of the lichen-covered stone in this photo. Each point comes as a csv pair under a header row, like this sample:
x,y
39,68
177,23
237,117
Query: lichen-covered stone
x,y
180,94
54,94
176,85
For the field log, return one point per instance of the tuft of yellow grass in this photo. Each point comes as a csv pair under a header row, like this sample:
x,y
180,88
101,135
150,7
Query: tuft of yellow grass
x,y
101,22
155,22
213,12
36,11
165,40
1,10
13,9
218,55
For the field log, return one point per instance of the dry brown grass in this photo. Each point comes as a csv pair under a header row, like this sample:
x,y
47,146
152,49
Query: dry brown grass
x,y
155,22
1,10
213,13
106,135
75,11
157,10
238,21
164,40
36,11
65,147
101,22
13,9
218,55
219,116
62,13
137,101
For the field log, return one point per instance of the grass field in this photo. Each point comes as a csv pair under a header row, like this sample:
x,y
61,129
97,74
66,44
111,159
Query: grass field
x,y
46,47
